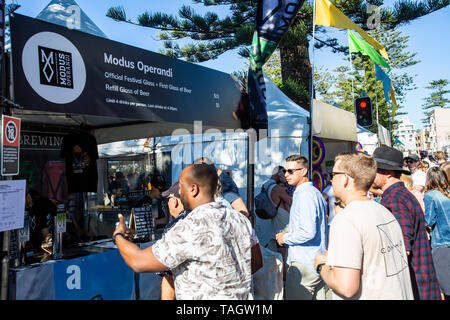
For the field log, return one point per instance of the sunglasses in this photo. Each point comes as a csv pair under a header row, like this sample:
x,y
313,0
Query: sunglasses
x,y
291,171
336,173
410,161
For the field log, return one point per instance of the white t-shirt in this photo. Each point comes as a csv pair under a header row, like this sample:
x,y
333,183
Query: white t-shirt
x,y
419,178
366,236
209,253
331,200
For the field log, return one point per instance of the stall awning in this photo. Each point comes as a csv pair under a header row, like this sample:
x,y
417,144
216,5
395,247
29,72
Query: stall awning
x,y
333,123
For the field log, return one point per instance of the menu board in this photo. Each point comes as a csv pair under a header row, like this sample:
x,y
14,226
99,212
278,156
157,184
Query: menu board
x,y
141,219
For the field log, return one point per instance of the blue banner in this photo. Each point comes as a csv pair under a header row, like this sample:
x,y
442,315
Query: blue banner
x,y
102,276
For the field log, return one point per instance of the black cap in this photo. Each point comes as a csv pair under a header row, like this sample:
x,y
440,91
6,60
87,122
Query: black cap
x,y
389,158
414,157
174,189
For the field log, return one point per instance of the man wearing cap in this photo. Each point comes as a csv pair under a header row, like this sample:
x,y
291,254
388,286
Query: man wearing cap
x,y
177,211
406,209
418,176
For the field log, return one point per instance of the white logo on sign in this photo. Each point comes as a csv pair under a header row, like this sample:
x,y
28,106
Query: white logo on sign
x,y
74,280
11,132
30,64
48,64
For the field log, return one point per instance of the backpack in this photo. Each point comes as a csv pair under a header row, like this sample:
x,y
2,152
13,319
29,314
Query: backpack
x,y
264,207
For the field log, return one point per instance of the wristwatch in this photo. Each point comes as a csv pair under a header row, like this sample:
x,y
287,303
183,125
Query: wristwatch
x,y
117,234
319,267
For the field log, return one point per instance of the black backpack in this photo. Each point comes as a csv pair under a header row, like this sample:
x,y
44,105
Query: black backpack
x,y
264,207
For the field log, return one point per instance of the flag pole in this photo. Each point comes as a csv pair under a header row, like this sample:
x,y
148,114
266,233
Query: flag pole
x,y
376,96
311,106
351,69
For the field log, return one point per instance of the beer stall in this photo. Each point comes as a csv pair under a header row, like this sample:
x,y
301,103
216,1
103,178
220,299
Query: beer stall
x,y
73,91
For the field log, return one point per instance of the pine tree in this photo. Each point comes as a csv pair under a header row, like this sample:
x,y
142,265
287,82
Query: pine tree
x,y
436,99
214,35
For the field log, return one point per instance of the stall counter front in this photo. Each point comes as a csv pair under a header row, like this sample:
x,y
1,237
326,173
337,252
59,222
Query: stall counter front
x,y
94,272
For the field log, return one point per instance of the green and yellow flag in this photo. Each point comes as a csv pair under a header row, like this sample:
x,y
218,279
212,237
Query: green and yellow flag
x,y
356,44
328,15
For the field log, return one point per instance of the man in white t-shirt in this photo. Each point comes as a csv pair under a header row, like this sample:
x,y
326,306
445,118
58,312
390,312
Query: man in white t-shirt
x,y
366,258
418,176
212,252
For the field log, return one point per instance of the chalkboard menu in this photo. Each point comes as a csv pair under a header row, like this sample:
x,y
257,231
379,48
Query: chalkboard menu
x,y
141,220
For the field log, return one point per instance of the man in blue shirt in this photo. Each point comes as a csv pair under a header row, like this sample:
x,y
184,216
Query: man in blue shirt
x,y
306,235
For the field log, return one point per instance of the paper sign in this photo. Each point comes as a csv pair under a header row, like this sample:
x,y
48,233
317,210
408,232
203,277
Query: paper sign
x,y
12,204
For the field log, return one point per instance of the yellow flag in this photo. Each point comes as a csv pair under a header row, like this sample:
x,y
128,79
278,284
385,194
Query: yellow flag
x,y
328,15
394,103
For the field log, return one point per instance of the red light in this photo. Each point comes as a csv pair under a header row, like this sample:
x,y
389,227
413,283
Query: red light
x,y
363,104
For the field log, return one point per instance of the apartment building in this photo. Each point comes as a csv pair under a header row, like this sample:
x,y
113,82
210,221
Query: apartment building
x,y
406,133
422,138
439,129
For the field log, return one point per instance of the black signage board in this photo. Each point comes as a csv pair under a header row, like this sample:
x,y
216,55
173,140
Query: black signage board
x,y
57,69
141,219
33,140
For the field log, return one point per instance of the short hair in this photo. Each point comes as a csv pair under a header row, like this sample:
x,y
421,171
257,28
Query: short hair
x,y
203,160
361,166
439,155
158,181
301,160
205,175
437,180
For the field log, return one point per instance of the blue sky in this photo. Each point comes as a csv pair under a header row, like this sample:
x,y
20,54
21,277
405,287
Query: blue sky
x,y
428,37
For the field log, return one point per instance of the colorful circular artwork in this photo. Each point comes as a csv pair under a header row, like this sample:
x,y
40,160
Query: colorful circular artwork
x,y
318,152
318,179
359,147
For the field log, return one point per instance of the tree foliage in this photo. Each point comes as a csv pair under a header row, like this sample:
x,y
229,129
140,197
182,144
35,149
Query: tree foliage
x,y
213,35
436,99
350,84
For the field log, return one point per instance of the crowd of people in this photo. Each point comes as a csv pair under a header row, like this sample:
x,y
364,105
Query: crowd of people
x,y
380,230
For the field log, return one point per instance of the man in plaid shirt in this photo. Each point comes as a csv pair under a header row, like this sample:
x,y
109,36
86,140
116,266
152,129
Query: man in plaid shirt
x,y
406,209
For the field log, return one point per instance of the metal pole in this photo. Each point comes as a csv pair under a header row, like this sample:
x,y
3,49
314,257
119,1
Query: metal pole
x,y
311,107
5,242
250,176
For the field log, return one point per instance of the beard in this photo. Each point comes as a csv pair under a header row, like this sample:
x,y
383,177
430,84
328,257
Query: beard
x,y
185,203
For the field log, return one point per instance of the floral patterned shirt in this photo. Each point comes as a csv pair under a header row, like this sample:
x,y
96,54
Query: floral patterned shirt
x,y
209,253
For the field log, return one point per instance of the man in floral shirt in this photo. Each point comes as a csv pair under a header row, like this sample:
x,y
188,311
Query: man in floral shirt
x,y
209,252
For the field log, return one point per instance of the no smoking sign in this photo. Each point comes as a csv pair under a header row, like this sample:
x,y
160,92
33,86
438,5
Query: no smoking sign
x,y
10,145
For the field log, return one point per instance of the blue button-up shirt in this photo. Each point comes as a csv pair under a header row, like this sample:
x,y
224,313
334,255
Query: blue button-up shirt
x,y
307,226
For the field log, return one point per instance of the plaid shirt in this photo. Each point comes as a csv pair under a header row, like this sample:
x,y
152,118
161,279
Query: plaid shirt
x,y
406,209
